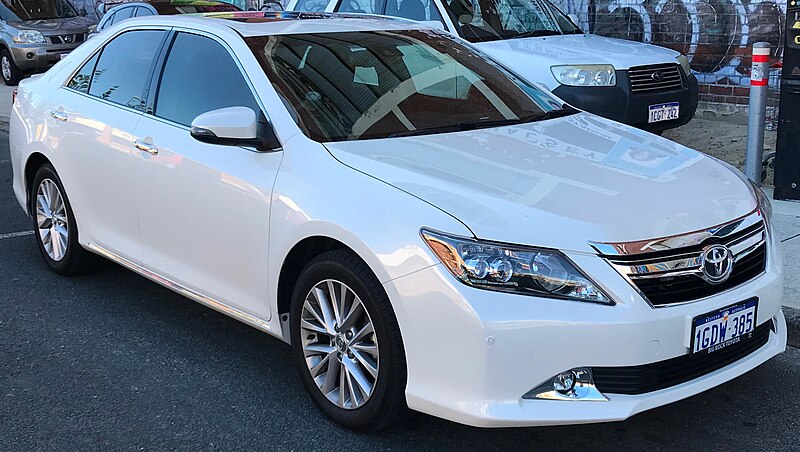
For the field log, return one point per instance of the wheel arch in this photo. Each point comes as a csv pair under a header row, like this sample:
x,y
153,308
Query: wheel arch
x,y
35,161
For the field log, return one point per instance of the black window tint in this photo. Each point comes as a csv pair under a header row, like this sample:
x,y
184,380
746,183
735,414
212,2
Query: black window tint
x,y
140,12
123,68
185,91
80,81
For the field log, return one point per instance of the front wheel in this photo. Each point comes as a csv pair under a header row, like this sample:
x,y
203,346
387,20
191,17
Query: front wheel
x,y
12,73
346,343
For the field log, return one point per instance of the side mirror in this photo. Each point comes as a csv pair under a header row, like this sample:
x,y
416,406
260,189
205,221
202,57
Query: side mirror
x,y
234,126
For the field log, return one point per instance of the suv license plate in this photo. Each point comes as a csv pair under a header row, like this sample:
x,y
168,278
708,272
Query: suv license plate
x,y
716,330
664,112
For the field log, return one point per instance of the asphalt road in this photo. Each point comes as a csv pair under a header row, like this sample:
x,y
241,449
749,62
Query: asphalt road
x,y
113,361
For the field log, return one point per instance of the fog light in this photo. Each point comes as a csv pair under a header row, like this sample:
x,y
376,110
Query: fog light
x,y
30,55
574,384
564,382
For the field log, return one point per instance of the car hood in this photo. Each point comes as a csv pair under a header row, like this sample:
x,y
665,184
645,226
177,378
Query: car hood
x,y
54,26
576,49
559,183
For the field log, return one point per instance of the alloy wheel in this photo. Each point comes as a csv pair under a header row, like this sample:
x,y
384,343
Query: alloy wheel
x,y
339,344
51,219
5,65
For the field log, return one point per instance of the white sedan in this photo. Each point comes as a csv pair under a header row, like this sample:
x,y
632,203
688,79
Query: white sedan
x,y
425,228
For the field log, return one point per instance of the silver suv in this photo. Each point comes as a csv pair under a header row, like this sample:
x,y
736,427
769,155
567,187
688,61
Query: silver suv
x,y
36,34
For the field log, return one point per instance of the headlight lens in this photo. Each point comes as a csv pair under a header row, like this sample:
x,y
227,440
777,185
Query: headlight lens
x,y
684,62
763,201
29,37
508,268
589,75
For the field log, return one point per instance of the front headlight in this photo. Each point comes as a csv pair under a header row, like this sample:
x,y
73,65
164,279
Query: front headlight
x,y
510,268
684,62
588,75
764,204
29,37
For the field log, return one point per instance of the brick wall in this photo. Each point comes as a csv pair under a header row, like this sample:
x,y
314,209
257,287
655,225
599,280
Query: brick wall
x,y
716,35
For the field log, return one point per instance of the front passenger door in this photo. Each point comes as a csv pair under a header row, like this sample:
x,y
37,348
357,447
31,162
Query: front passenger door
x,y
204,208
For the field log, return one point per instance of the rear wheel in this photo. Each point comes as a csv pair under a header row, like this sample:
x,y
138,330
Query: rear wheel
x,y
346,343
12,73
55,228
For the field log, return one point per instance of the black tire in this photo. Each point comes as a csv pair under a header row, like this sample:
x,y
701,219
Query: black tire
x,y
387,404
76,259
16,74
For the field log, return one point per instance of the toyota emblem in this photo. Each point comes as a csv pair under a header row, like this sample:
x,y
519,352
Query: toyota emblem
x,y
716,263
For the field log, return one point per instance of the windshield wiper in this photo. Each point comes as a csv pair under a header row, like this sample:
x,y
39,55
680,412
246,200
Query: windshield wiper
x,y
535,33
565,110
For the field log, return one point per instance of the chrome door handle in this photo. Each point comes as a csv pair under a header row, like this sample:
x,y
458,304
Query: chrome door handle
x,y
146,147
59,115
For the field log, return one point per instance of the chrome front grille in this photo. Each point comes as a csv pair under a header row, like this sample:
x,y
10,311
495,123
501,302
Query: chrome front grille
x,y
67,39
655,77
668,270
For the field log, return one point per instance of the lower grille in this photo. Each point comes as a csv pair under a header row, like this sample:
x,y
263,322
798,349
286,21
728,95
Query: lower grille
x,y
664,374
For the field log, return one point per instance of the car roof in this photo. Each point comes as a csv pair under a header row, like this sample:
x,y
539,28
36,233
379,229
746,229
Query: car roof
x,y
260,23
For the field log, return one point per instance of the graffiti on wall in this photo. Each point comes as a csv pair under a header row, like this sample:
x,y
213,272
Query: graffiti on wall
x,y
715,34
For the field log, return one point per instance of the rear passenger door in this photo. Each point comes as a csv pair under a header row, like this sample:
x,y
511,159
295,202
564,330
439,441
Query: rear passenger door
x,y
204,208
92,118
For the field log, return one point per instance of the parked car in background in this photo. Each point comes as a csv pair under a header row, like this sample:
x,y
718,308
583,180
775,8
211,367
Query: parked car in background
x,y
167,7
638,84
36,34
425,228
127,10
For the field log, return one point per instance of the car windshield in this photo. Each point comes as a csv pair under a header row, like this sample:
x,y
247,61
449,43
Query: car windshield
x,y
365,85
491,20
25,10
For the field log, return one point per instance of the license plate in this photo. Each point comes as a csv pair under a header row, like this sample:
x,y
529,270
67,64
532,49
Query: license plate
x,y
664,112
64,55
719,329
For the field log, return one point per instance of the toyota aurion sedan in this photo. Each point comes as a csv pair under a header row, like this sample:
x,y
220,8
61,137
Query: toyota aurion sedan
x,y
424,227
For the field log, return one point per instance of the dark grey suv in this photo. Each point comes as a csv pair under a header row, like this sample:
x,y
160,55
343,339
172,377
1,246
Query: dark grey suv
x,y
36,34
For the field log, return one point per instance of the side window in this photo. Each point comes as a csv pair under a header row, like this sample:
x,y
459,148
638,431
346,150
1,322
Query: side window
x,y
360,6
414,10
80,81
141,12
124,13
311,5
123,68
185,92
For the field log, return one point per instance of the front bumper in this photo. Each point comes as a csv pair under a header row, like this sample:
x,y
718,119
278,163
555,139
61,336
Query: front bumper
x,y
472,354
39,57
620,104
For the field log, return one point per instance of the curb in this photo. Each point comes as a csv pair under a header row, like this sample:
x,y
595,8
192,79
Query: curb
x,y
792,325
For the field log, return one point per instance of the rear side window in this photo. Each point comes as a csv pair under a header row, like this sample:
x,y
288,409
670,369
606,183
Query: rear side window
x,y
141,12
361,6
184,92
106,22
311,5
124,13
123,67
80,81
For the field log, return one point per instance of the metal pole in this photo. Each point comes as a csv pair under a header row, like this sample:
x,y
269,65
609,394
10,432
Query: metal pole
x,y
759,78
